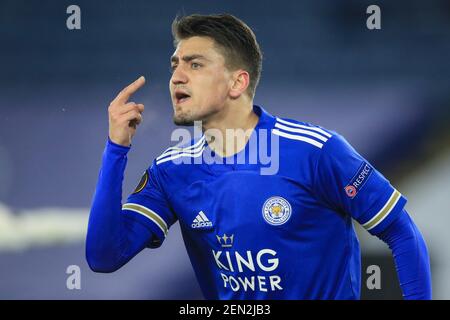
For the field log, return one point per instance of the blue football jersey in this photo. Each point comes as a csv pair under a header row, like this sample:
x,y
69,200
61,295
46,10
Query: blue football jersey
x,y
274,221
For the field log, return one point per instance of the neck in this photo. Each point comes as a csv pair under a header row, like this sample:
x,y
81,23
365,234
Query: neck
x,y
228,131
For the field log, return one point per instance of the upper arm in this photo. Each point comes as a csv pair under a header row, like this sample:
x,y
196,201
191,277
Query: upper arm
x,y
349,183
149,206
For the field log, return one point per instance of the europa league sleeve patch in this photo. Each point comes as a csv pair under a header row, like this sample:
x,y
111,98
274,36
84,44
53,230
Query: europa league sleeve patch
x,y
142,183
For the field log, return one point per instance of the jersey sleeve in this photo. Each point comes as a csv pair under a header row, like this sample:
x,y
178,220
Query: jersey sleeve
x,y
347,182
148,204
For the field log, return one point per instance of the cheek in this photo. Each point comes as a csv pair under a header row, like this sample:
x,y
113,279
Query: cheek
x,y
216,88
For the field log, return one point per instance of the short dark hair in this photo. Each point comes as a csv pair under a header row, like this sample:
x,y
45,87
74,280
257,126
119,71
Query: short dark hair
x,y
234,38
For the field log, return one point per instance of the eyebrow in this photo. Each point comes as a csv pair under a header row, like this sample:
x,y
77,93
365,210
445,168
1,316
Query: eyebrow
x,y
188,58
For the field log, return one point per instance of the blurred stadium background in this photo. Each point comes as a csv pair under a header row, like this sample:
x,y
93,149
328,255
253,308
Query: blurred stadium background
x,y
386,91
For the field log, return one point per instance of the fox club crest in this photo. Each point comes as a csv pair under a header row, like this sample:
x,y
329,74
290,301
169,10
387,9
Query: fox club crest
x,y
276,210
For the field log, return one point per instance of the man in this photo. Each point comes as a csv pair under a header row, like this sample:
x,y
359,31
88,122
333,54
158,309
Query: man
x,y
281,233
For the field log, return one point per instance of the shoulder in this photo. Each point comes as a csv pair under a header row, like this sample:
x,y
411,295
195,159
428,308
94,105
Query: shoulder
x,y
311,144
191,149
304,135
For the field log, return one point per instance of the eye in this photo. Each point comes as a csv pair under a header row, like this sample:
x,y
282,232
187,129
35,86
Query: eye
x,y
173,67
195,65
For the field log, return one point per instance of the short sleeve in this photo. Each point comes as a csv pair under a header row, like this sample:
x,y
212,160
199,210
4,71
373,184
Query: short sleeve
x,y
347,182
148,204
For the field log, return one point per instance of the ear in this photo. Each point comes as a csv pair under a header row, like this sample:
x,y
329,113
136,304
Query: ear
x,y
240,83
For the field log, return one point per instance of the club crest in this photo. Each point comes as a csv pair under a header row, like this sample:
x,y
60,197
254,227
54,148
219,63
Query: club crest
x,y
276,211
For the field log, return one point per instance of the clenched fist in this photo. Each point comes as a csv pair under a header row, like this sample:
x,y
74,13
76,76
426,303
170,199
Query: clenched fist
x,y
124,116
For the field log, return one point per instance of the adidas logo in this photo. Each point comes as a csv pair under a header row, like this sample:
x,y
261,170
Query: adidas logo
x,y
201,221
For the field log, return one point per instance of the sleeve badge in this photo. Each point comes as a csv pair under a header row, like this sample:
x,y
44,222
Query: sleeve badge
x,y
142,183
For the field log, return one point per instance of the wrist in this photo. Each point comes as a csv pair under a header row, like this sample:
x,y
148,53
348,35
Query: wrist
x,y
117,147
120,143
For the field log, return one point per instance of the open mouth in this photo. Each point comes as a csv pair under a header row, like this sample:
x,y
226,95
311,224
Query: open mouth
x,y
181,97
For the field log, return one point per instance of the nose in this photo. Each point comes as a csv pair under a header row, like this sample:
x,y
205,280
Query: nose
x,y
179,76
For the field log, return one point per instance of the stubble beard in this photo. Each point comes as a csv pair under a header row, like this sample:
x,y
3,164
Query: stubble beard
x,y
189,118
183,119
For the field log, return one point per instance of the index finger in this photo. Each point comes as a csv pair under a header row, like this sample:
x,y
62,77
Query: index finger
x,y
126,93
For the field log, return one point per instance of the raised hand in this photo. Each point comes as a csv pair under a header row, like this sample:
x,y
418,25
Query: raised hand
x,y
124,116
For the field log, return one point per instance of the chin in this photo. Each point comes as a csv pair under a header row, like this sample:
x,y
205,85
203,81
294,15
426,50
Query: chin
x,y
182,120
188,115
